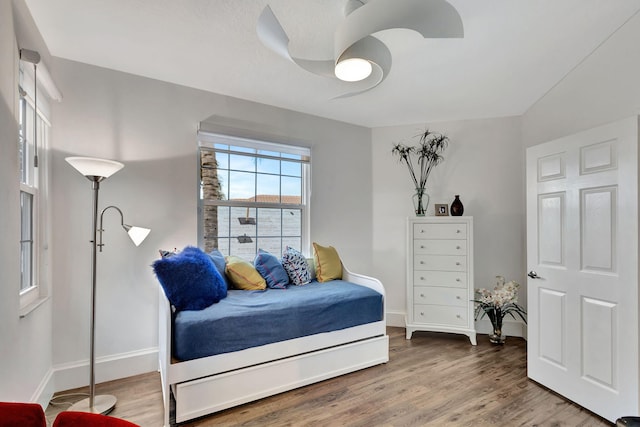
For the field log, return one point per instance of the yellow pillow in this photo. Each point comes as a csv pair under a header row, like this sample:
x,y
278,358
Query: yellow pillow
x,y
328,264
243,275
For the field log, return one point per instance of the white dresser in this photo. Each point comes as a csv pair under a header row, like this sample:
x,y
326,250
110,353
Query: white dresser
x,y
440,275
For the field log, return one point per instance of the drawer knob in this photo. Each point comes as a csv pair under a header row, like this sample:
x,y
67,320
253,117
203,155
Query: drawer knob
x,y
421,262
457,263
422,231
421,246
457,296
421,313
458,231
457,247
458,316
422,278
457,279
421,295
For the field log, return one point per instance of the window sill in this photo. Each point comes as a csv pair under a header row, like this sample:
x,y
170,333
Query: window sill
x,y
24,311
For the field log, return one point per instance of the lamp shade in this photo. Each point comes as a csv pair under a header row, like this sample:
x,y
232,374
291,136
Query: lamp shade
x,y
90,166
353,69
137,234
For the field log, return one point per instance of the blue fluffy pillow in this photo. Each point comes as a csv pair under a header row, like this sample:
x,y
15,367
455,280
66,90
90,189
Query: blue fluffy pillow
x,y
190,280
271,269
220,263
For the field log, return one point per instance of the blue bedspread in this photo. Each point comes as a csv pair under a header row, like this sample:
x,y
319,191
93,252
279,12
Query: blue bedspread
x,y
252,318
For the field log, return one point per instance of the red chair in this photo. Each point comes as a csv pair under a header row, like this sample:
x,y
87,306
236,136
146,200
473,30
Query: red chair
x,y
84,419
14,414
32,415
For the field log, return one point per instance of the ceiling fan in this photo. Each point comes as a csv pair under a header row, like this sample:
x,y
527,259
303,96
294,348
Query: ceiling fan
x,y
359,56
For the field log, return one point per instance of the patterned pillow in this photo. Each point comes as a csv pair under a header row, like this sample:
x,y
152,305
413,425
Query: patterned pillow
x,y
295,264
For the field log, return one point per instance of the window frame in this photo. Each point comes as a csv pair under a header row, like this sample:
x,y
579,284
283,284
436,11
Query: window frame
x,y
36,185
208,140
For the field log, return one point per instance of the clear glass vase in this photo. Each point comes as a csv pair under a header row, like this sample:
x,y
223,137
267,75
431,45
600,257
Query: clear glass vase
x,y
496,321
420,202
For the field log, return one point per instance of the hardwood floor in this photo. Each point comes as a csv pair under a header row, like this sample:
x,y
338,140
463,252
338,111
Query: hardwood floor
x,y
431,380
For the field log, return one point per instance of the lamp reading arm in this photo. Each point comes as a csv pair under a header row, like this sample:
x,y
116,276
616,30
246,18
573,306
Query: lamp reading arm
x,y
136,234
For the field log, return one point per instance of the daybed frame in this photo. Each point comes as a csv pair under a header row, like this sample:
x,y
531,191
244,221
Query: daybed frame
x,y
210,384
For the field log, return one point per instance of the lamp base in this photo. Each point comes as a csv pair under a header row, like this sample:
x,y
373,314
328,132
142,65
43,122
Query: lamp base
x,y
102,404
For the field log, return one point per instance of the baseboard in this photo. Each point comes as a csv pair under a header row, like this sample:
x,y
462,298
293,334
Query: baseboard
x,y
45,390
76,374
510,327
396,318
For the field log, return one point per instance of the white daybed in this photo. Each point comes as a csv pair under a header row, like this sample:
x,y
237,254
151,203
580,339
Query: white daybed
x,y
209,384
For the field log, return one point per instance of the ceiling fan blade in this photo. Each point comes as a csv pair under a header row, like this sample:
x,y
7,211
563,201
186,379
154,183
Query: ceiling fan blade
x,y
431,18
271,33
273,36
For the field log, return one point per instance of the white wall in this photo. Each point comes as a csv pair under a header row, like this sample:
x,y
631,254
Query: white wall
x,y
484,165
151,127
602,89
25,343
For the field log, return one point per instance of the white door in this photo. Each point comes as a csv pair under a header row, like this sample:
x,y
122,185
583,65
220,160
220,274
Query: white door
x,y
582,242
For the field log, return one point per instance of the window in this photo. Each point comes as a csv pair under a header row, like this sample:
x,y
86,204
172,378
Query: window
x,y
32,149
253,195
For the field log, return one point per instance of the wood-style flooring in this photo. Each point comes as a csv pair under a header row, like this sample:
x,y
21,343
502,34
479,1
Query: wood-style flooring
x,y
431,380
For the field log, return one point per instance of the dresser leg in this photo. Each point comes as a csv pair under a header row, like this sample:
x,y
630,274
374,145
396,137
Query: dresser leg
x,y
409,333
472,338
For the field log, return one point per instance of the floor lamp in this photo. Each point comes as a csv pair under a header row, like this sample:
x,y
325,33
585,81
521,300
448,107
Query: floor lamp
x,y
97,170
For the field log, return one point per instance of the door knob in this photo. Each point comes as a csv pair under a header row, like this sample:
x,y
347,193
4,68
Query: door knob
x,y
533,275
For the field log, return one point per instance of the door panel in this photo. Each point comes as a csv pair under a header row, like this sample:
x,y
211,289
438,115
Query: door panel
x,y
598,210
551,229
552,346
582,240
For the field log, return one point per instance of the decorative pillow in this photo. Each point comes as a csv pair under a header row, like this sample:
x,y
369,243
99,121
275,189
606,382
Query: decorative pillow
x,y
165,254
271,269
295,264
220,263
328,264
243,275
189,279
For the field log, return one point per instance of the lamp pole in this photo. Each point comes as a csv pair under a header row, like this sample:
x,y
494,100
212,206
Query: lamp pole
x,y
102,404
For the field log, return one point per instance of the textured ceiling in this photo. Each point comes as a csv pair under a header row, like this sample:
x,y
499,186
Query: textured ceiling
x,y
513,52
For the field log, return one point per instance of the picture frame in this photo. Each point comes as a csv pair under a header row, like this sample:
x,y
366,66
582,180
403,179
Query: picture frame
x,y
441,209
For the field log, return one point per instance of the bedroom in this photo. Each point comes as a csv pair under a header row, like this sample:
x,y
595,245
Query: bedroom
x,y
150,126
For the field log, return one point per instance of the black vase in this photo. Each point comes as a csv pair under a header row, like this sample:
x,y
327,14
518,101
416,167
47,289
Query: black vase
x,y
457,209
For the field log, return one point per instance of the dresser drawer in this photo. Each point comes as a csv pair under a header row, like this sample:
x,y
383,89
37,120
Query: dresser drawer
x,y
440,296
440,231
451,279
440,262
439,247
440,314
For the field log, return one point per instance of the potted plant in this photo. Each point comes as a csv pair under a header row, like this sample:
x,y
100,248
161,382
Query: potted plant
x,y
496,304
426,155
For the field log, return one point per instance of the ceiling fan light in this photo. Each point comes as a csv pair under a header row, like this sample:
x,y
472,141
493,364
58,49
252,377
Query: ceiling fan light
x,y
353,69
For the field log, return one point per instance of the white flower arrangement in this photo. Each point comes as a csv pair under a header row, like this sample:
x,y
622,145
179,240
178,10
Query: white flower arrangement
x,y
499,302
502,294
